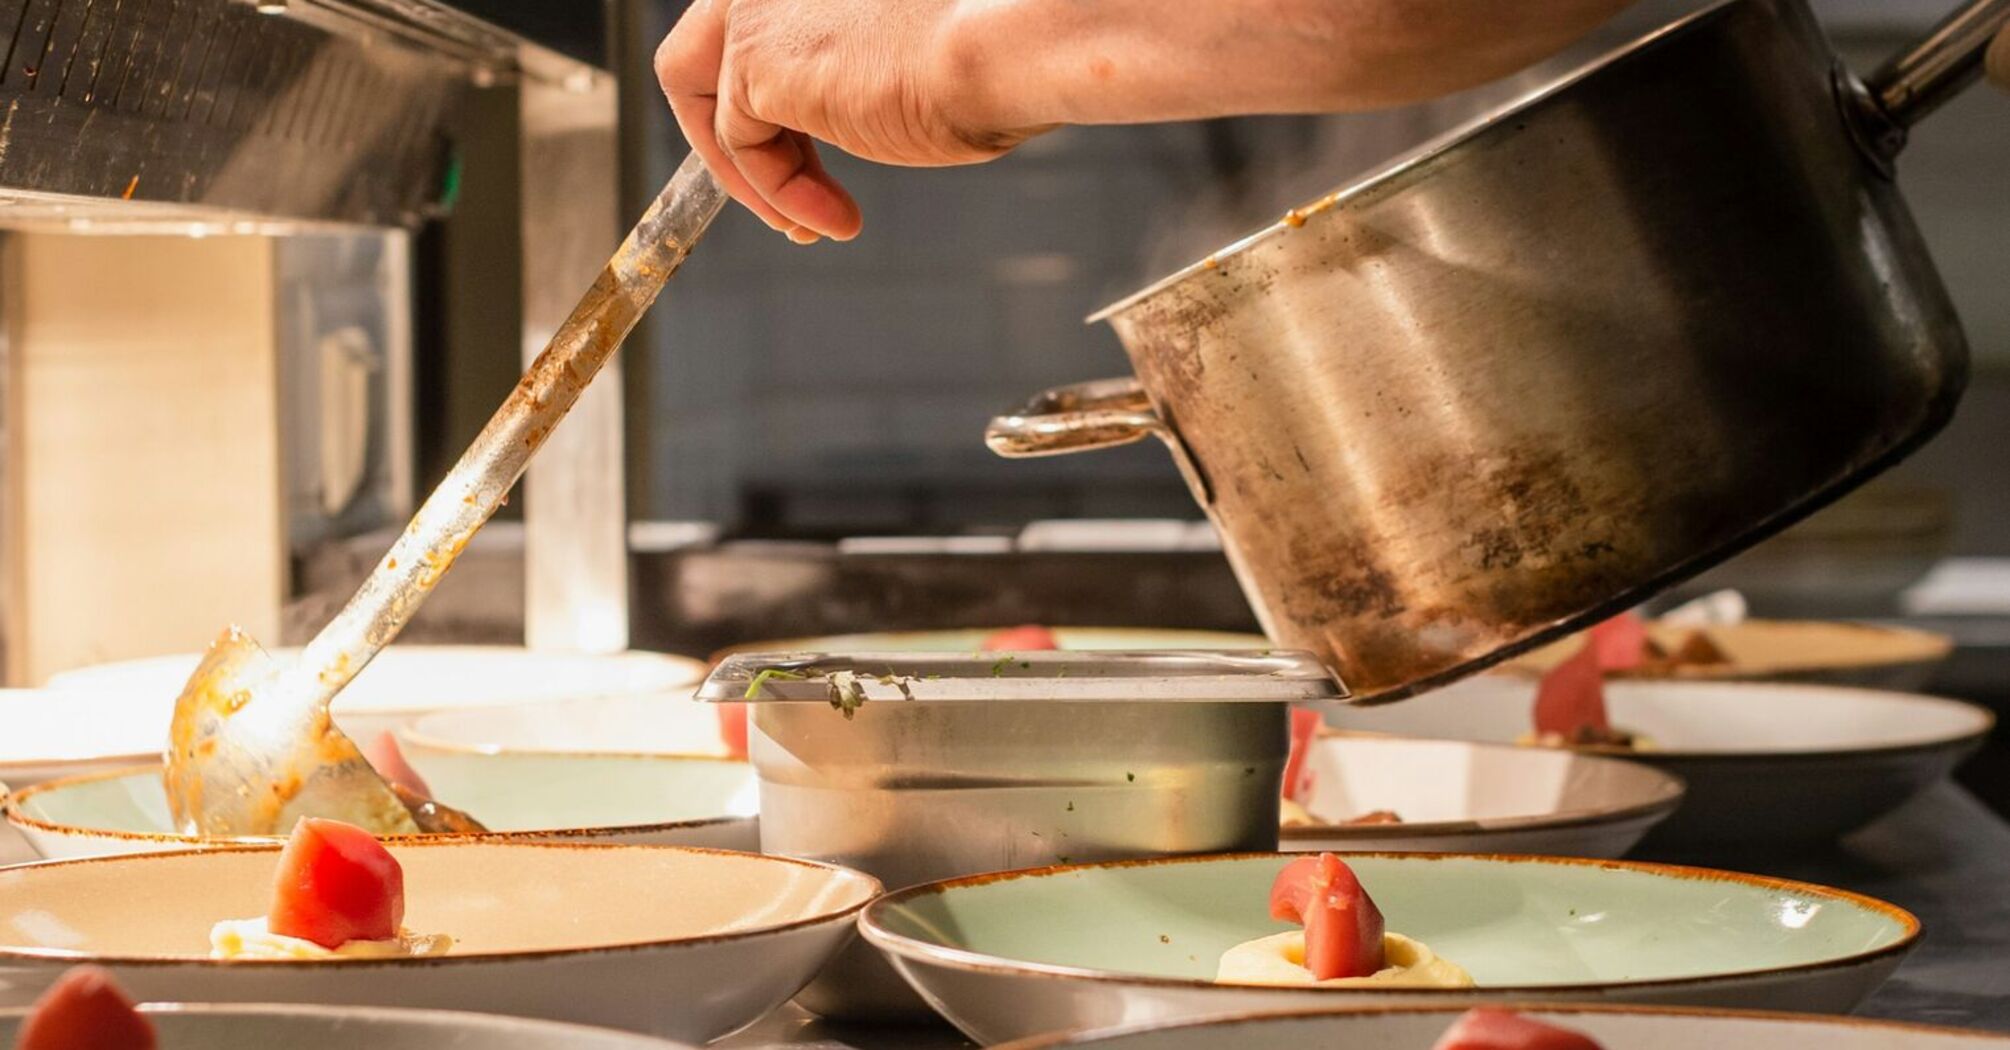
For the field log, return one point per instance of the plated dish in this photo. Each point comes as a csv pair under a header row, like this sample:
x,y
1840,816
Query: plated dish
x,y
681,943
624,799
1770,763
1813,651
1611,1027
407,681
1449,796
1129,940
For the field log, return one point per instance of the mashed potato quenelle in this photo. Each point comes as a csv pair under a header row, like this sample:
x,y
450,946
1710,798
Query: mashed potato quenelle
x,y
251,939
1343,944
1280,959
338,894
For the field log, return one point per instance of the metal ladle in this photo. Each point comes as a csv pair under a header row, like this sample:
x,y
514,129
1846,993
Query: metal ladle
x,y
252,747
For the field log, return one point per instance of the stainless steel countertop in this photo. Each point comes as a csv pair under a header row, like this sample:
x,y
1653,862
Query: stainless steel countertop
x,y
1944,856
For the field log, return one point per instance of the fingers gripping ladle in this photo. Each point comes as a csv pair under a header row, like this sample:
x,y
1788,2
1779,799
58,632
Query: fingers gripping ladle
x,y
252,747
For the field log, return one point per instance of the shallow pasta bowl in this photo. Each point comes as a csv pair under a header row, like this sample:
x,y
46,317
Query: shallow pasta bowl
x,y
608,725
1016,954
1457,797
968,639
1823,652
189,1026
1617,1027
410,680
1766,763
623,799
681,943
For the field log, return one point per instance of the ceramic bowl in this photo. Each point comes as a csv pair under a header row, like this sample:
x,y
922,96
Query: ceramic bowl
x,y
1619,1028
645,801
1764,762
1813,651
1458,797
188,1026
964,640
46,733
681,943
1016,954
608,725
406,681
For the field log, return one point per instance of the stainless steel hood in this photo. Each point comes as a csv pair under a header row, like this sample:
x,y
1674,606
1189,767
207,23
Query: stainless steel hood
x,y
170,111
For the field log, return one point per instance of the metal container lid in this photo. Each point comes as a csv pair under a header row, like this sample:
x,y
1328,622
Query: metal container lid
x,y
849,679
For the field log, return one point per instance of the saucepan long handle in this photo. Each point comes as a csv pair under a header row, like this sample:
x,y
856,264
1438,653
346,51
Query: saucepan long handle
x,y
1972,40
1103,413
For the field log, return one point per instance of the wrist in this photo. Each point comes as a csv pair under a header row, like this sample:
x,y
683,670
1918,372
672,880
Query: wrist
x,y
985,85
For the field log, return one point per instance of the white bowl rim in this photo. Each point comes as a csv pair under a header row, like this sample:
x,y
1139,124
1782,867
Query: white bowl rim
x,y
1668,792
1982,721
1093,1036
84,679
981,962
1931,647
70,957
414,732
471,1019
11,809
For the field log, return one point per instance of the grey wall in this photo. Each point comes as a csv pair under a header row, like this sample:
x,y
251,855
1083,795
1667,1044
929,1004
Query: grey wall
x,y
843,388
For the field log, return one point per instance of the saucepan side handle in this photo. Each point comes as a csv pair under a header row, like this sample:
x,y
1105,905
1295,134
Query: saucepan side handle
x,y
1972,40
1102,413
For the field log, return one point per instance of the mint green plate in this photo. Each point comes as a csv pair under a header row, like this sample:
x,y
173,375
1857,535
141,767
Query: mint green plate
x,y
1012,955
627,799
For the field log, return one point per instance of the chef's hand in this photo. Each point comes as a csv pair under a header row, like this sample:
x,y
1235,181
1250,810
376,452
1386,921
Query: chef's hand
x,y
756,83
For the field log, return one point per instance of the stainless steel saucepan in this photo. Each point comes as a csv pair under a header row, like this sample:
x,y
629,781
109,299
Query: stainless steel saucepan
x,y
1585,347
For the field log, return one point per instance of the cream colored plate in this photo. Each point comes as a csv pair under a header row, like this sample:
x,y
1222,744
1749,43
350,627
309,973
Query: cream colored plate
x,y
685,944
271,1027
1813,651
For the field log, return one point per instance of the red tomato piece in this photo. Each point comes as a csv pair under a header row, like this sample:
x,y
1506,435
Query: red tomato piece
x,y
1571,697
389,762
1621,642
336,884
733,728
1491,1028
1343,928
85,1010
1026,639
1305,725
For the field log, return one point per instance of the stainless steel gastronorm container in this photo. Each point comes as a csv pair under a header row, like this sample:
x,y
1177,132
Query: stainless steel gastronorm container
x,y
1588,346
1003,761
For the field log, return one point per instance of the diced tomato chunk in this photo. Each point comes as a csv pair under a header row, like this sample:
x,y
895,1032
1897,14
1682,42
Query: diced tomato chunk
x,y
85,1010
336,884
1029,638
1343,928
389,762
1621,642
1491,1028
1571,697
1305,724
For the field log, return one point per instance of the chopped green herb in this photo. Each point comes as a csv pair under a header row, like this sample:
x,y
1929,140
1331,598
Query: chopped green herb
x,y
1131,777
1071,807
1026,665
998,667
771,674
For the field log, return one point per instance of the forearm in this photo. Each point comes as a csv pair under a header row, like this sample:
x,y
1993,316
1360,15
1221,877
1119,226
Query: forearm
x,y
1034,63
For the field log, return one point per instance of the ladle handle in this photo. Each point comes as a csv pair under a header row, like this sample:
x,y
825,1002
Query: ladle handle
x,y
1914,82
477,485
1102,413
